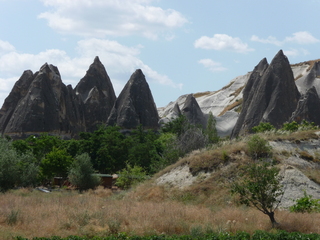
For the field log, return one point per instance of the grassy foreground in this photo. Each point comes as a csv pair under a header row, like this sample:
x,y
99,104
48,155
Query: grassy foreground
x,y
100,213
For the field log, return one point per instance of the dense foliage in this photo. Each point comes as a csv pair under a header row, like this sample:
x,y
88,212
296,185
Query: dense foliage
x,y
306,204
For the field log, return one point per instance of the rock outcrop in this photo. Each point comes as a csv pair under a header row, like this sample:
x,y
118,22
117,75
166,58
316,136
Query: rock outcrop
x,y
135,105
97,94
193,112
44,105
308,108
269,96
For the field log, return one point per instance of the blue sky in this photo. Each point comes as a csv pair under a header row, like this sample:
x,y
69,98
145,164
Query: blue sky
x,y
182,46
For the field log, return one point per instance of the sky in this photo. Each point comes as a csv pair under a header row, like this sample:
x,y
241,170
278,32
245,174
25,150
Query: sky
x,y
182,46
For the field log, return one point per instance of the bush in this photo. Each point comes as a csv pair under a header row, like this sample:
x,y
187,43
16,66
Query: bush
x,y
258,147
263,127
81,173
130,176
306,204
291,127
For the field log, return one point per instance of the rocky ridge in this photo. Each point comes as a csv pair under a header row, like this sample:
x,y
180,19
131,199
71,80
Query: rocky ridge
x,y
41,103
227,103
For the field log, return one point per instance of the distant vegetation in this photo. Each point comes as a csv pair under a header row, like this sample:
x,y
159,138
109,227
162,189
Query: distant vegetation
x,y
36,160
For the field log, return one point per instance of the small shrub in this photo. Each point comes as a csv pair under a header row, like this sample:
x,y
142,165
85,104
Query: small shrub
x,y
290,126
258,147
130,176
263,127
306,204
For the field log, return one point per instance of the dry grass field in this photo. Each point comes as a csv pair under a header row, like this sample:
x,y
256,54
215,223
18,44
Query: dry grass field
x,y
99,213
204,207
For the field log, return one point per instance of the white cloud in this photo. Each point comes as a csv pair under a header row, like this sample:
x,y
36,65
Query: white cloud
x,y
302,38
5,47
296,52
120,62
211,65
222,42
270,40
298,38
100,18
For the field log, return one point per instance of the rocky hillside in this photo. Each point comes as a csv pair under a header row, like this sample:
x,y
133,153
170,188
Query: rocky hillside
x,y
262,98
296,154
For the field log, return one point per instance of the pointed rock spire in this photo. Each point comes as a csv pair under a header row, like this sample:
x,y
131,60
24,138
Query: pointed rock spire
x,y
135,105
192,111
97,93
271,95
308,108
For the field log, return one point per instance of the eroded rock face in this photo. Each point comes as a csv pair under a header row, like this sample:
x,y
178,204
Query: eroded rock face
x,y
135,105
97,94
18,91
270,95
308,108
193,112
47,105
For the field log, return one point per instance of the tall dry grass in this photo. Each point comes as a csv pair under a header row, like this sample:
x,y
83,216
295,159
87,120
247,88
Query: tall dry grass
x,y
99,213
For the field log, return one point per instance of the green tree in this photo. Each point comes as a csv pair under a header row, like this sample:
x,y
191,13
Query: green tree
x,y
56,163
211,129
260,187
9,169
81,173
176,126
130,176
107,148
144,148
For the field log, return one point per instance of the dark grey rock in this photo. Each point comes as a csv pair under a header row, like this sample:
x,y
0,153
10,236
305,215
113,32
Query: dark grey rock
x,y
308,108
192,111
270,95
18,91
46,107
97,94
135,105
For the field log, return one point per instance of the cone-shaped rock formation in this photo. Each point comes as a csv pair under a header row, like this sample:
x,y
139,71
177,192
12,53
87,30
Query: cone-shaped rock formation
x,y
269,96
97,94
135,105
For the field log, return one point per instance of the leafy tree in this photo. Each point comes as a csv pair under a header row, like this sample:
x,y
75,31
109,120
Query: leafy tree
x,y
107,148
39,146
144,149
130,176
260,187
211,129
9,169
28,170
56,163
290,126
258,147
306,204
176,126
263,127
81,173
169,152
